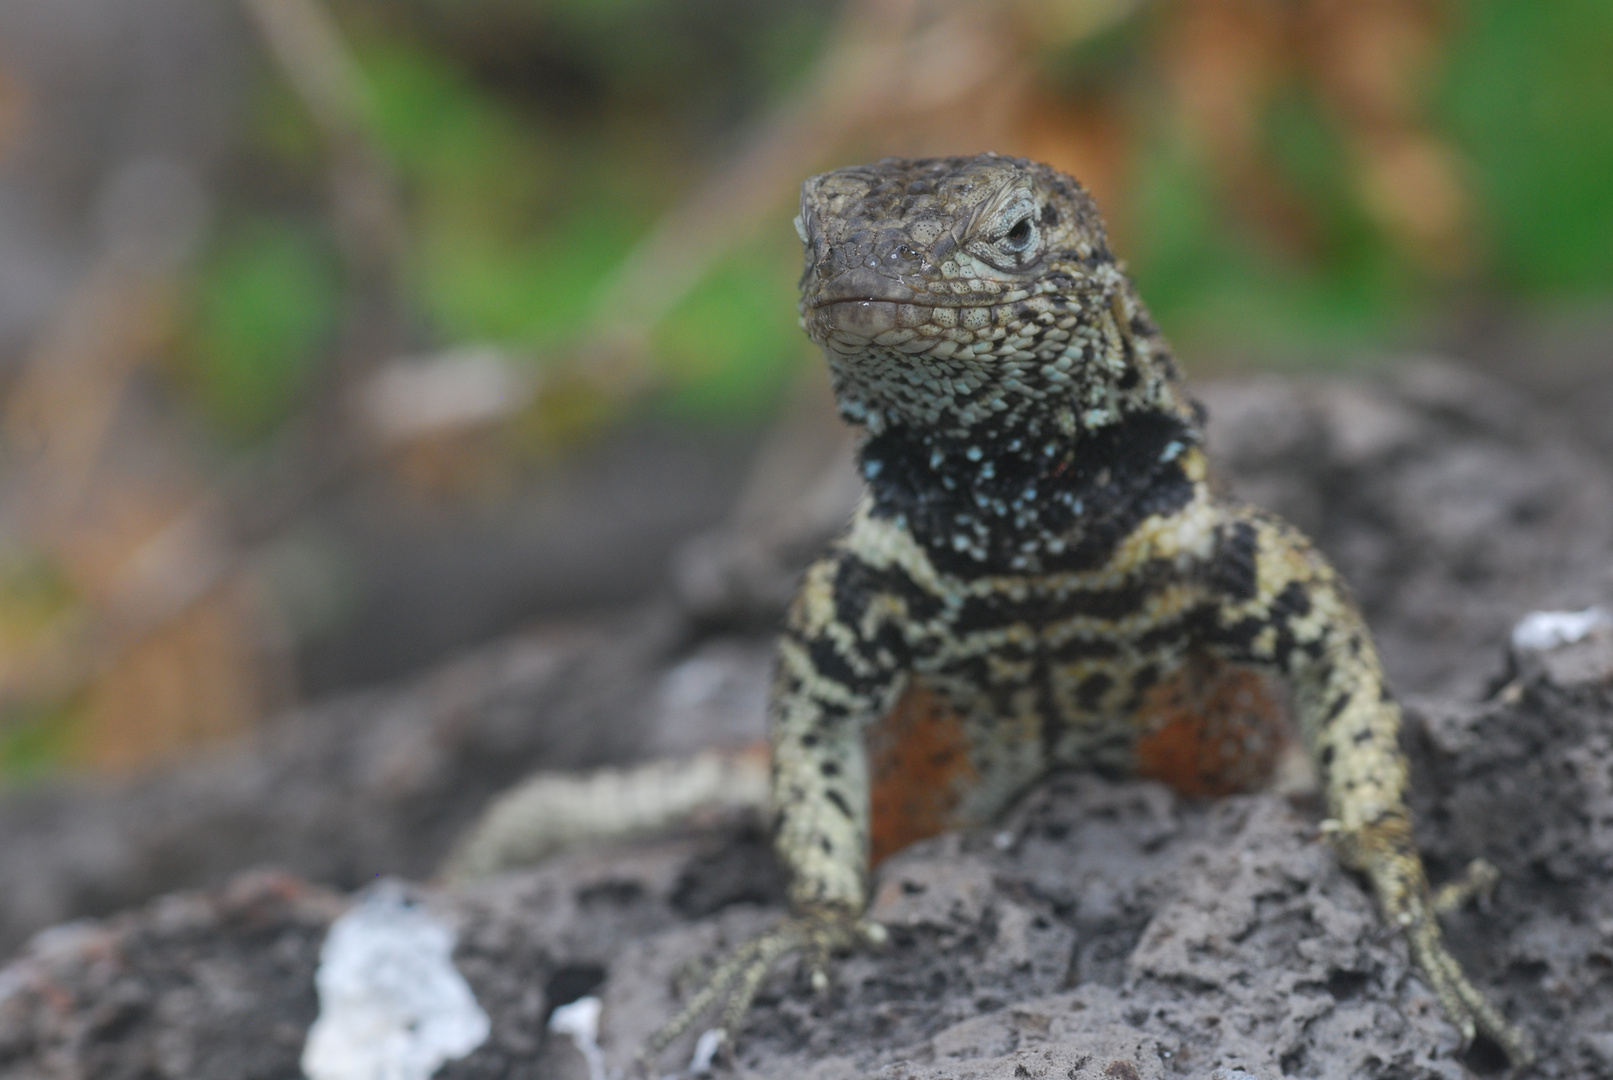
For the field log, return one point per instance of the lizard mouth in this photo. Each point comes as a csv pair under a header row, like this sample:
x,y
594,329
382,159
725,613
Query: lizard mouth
x,y
910,326
860,304
860,308
859,319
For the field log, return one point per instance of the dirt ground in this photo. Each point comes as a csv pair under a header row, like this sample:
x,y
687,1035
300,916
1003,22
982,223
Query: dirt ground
x,y
1104,930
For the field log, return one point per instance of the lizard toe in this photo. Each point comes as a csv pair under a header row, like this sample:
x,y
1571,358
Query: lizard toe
x,y
735,981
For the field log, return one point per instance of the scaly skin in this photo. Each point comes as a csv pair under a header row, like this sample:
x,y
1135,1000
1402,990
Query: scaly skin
x,y
1039,546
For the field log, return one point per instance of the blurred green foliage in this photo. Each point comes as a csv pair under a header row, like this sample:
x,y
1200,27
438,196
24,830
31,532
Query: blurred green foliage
x,y
1530,100
511,229
1211,279
265,311
34,743
34,597
538,142
730,347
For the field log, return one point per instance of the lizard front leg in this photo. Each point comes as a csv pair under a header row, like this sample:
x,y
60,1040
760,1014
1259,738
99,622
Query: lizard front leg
x,y
840,665
1278,604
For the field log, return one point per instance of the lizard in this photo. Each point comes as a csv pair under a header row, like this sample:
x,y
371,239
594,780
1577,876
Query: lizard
x,y
1039,549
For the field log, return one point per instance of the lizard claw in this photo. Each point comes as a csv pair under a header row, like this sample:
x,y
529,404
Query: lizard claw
x,y
1465,1005
1396,872
829,940
737,978
1478,881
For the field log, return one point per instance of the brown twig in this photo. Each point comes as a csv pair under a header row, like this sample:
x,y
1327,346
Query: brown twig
x,y
317,64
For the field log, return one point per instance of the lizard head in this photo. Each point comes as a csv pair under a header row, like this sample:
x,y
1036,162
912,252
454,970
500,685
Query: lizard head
x,y
947,291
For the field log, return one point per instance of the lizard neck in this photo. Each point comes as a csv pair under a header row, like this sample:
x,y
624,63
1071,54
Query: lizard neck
x,y
1026,497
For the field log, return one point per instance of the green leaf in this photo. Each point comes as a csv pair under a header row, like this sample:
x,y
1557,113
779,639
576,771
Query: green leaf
x,y
1529,96
267,305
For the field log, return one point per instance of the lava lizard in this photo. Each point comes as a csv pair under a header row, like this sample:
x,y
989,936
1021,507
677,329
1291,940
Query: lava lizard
x,y
1039,551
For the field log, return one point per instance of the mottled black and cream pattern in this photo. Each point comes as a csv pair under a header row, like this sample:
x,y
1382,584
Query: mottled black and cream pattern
x,y
1038,546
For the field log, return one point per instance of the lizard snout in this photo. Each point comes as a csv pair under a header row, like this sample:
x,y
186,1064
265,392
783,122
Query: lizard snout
x,y
860,283
864,320
860,302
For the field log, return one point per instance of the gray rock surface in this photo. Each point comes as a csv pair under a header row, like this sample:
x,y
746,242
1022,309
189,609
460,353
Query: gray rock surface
x,y
1451,505
370,783
1106,930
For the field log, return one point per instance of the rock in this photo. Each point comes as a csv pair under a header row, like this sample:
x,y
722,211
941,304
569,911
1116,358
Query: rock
x,y
1450,504
1104,927
343,791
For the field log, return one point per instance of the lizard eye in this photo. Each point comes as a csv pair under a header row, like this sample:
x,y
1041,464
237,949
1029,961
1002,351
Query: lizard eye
x,y
1019,237
1012,240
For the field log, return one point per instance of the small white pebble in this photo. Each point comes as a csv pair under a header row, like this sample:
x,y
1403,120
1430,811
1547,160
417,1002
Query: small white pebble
x,y
391,1002
1542,631
705,1051
1003,840
580,1020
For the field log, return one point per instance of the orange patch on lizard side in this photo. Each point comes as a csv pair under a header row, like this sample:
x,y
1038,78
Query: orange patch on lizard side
x,y
1212,728
919,765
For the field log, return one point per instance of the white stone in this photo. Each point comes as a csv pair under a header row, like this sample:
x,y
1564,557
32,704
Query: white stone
x,y
1542,631
580,1021
392,1006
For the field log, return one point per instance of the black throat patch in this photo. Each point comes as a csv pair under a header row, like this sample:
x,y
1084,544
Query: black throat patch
x,y
1017,502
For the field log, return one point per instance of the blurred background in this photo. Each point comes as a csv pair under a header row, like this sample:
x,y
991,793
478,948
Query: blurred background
x,y
337,336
